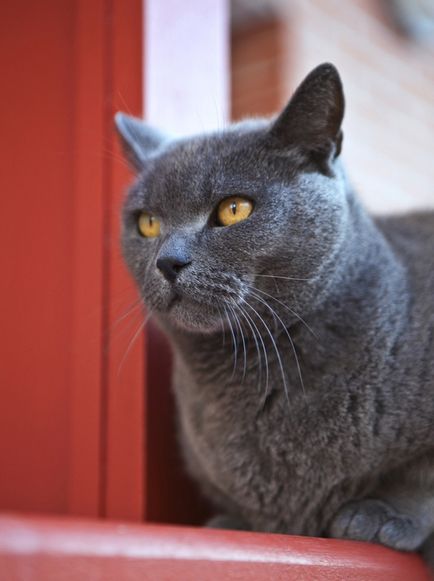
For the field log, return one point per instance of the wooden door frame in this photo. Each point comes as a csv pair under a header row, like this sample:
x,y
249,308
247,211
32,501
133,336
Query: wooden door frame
x,y
107,450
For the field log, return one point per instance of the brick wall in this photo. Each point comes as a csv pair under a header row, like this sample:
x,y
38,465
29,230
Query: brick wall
x,y
258,58
389,86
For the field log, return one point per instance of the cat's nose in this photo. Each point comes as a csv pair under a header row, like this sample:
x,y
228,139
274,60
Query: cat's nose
x,y
170,266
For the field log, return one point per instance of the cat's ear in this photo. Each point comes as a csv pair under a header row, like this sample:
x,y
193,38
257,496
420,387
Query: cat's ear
x,y
138,139
312,119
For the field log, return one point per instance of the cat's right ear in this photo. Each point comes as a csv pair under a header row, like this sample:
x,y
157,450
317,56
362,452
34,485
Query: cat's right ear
x,y
312,119
138,139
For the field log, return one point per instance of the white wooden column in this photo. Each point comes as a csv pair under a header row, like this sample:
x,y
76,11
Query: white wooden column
x,y
186,64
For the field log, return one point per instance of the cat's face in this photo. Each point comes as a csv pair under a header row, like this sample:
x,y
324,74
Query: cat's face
x,y
211,220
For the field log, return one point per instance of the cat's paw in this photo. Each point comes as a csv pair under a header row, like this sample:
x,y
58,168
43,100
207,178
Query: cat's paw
x,y
376,521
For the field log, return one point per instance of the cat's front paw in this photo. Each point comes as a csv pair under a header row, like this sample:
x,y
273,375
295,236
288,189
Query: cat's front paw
x,y
376,521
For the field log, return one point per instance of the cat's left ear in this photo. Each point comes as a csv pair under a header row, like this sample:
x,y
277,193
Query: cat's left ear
x,y
312,119
138,139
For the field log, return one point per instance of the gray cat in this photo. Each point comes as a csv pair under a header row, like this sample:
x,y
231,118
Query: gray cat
x,y
302,328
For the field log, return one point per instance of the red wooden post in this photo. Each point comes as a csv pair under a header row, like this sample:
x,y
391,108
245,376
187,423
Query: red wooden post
x,y
86,413
107,416
71,426
125,353
36,245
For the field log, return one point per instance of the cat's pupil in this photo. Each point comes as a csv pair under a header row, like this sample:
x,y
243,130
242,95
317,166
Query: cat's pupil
x,y
234,208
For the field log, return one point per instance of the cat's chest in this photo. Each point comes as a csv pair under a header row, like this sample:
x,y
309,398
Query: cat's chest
x,y
249,453
224,449
288,465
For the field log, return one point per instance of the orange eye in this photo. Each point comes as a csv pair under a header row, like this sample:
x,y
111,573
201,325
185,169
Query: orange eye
x,y
233,210
149,225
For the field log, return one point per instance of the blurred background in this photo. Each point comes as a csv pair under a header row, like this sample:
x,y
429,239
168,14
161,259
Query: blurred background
x,y
86,416
384,50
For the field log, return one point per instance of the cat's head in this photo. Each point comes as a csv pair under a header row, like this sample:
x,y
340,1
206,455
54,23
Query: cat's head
x,y
214,220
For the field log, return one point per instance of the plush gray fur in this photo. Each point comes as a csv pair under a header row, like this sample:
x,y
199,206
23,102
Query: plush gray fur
x,y
303,336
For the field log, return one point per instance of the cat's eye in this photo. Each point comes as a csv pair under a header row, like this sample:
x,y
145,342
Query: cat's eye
x,y
233,210
149,225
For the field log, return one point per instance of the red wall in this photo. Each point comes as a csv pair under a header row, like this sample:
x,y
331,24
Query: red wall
x,y
71,423
258,67
36,247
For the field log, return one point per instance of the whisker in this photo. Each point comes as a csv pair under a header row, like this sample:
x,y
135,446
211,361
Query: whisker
x,y
126,330
278,276
132,341
234,341
253,326
112,155
135,305
289,338
237,321
275,348
276,286
287,308
222,326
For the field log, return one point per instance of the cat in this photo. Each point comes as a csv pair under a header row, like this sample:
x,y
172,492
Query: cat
x,y
302,327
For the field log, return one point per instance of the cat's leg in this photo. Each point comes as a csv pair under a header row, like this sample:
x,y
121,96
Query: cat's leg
x,y
399,514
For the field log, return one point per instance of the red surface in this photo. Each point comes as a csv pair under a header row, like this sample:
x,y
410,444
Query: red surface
x,y
125,379
107,416
86,413
36,246
72,550
71,424
77,406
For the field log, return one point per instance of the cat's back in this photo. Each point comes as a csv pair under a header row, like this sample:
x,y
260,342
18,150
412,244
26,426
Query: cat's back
x,y
412,238
411,224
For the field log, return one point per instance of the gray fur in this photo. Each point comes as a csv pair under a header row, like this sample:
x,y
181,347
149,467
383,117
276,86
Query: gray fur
x,y
341,442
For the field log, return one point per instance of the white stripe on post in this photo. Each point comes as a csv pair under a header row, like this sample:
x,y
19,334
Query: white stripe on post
x,y
186,64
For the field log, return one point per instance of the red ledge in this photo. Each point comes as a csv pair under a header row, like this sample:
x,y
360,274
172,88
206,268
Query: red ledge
x,y
72,549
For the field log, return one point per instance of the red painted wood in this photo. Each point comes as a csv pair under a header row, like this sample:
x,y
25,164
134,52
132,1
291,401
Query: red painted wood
x,y
86,412
36,246
107,423
71,427
70,550
125,353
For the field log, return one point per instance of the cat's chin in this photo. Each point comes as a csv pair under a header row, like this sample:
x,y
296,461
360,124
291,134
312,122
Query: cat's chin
x,y
192,316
